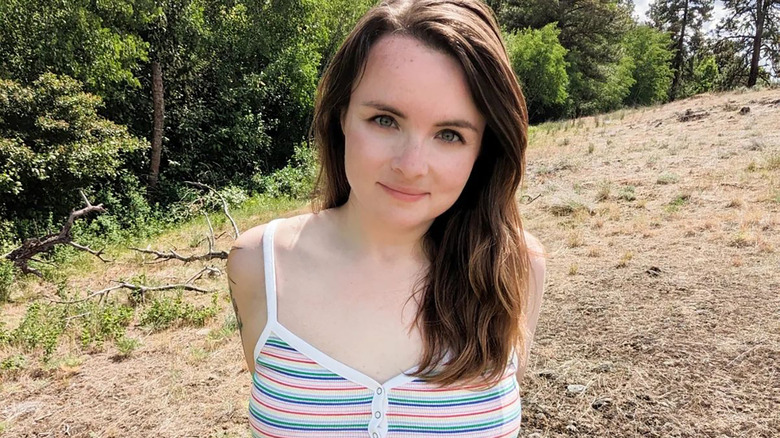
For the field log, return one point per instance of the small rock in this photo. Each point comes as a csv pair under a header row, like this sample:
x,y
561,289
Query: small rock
x,y
744,110
575,389
600,403
571,428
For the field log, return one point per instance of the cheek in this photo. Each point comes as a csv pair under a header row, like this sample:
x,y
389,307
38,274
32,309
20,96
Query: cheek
x,y
363,154
456,171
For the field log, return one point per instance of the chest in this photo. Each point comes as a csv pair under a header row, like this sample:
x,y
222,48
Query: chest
x,y
361,318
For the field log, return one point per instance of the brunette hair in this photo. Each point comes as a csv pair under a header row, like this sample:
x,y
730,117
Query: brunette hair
x,y
472,300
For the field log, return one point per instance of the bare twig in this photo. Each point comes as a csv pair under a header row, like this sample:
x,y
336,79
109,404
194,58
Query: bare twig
x,y
134,287
531,199
98,254
210,269
224,204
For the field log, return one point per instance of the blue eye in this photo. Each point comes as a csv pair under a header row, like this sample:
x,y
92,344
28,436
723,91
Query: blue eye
x,y
385,121
451,136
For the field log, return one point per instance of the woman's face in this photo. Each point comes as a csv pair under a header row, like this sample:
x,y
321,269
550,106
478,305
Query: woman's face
x,y
412,133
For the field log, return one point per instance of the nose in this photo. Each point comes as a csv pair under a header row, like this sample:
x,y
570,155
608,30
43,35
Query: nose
x,y
411,159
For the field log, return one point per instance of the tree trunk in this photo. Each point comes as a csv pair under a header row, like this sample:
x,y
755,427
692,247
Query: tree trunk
x,y
157,129
678,57
757,40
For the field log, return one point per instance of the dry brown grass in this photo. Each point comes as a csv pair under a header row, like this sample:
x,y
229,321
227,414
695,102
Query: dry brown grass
x,y
672,321
661,299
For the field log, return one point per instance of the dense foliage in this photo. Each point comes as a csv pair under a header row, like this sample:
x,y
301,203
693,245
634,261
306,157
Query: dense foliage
x,y
237,81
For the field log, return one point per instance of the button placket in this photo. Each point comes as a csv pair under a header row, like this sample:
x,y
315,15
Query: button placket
x,y
377,427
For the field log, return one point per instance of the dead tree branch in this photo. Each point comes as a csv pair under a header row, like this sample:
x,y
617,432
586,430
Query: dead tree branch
x,y
173,255
21,256
224,204
133,287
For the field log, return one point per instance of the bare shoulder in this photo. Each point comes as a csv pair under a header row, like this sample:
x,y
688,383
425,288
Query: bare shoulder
x,y
246,282
536,250
245,253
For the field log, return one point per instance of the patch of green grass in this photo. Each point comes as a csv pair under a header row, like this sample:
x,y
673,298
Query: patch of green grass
x,y
667,178
126,345
13,363
165,312
228,327
772,162
627,193
679,201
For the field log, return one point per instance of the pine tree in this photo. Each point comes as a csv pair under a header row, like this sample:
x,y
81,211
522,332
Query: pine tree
x,y
755,26
683,19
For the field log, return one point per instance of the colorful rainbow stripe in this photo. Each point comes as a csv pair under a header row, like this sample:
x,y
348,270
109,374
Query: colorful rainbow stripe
x,y
294,396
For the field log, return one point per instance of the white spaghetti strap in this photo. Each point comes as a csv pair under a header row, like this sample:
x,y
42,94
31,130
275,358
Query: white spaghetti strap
x,y
270,269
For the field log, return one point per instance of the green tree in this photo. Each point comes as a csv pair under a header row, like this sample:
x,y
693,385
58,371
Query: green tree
x,y
705,74
755,26
683,20
649,49
52,141
66,38
591,31
538,60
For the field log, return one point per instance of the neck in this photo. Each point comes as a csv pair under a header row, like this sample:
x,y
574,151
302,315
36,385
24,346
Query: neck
x,y
370,238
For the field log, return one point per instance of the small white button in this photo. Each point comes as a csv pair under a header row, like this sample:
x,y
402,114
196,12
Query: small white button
x,y
379,390
377,414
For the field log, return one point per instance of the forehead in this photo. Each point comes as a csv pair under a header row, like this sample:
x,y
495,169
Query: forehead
x,y
408,74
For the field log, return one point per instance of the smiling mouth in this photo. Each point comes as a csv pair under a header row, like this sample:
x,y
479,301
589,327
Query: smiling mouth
x,y
403,194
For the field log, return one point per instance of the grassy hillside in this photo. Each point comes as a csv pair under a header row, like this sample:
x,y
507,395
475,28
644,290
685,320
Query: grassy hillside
x,y
662,227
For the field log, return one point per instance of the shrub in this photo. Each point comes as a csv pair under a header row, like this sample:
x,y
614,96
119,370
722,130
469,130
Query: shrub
x,y
41,328
296,180
166,312
6,279
538,60
103,322
52,140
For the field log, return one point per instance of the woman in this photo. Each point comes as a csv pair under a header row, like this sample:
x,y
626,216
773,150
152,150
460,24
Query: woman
x,y
399,307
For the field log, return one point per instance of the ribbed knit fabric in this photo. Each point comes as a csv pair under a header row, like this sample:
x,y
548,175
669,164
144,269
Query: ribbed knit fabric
x,y
300,392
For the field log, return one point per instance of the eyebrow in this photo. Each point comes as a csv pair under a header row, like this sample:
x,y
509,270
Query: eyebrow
x,y
460,123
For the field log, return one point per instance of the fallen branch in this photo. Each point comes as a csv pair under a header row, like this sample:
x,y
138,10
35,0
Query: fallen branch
x,y
21,256
133,287
173,255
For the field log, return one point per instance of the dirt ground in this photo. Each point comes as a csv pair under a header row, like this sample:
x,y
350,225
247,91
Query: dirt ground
x,y
662,298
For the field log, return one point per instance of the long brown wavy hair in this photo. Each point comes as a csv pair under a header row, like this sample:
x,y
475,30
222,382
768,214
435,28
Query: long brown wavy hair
x,y
472,301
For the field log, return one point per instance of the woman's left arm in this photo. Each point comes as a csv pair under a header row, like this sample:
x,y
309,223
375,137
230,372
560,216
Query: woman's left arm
x,y
535,292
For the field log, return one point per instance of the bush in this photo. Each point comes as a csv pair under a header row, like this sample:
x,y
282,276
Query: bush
x,y
6,279
538,60
652,74
166,312
52,142
103,322
41,328
296,180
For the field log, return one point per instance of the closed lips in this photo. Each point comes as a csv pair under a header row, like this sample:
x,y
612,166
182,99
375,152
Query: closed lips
x,y
404,191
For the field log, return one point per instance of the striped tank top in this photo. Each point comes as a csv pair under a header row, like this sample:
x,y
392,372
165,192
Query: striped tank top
x,y
300,392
